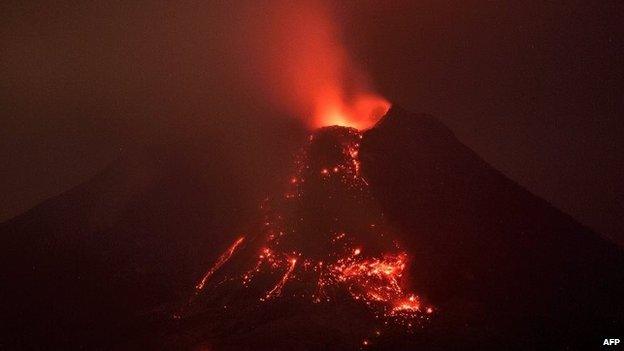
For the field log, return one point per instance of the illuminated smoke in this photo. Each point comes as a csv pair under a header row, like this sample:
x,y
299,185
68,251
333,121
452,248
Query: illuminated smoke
x,y
295,53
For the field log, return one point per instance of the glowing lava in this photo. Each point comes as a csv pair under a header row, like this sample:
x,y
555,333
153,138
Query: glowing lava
x,y
277,289
222,260
326,240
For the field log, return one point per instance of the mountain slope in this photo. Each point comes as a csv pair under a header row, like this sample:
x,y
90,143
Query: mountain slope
x,y
506,264
89,266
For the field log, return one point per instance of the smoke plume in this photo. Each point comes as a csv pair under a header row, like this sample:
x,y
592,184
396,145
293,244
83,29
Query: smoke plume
x,y
295,55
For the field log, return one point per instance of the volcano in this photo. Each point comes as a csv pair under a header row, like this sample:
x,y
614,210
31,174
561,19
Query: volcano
x,y
324,241
398,237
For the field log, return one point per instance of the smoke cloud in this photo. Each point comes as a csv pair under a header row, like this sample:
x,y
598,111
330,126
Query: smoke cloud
x,y
294,54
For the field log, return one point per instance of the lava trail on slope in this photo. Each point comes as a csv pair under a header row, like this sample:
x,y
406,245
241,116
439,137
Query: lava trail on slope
x,y
323,243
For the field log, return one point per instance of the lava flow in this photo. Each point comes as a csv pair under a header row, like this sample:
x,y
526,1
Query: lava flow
x,y
325,240
222,259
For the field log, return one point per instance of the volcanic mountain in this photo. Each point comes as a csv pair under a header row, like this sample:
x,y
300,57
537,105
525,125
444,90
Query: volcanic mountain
x,y
393,238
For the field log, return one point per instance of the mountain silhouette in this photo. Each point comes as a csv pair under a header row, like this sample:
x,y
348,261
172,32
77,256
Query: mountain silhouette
x,y
473,260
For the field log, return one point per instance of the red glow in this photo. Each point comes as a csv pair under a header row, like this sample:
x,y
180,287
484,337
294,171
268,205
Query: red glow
x,y
407,305
300,61
360,112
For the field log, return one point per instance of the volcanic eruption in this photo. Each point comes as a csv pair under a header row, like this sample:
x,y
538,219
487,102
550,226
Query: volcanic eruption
x,y
325,238
385,231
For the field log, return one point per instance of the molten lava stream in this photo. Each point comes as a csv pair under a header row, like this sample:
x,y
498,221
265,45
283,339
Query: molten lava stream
x,y
277,289
220,262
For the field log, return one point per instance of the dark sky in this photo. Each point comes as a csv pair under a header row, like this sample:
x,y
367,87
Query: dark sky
x,y
536,88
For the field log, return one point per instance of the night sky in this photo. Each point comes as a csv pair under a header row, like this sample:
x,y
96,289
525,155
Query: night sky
x,y
535,89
